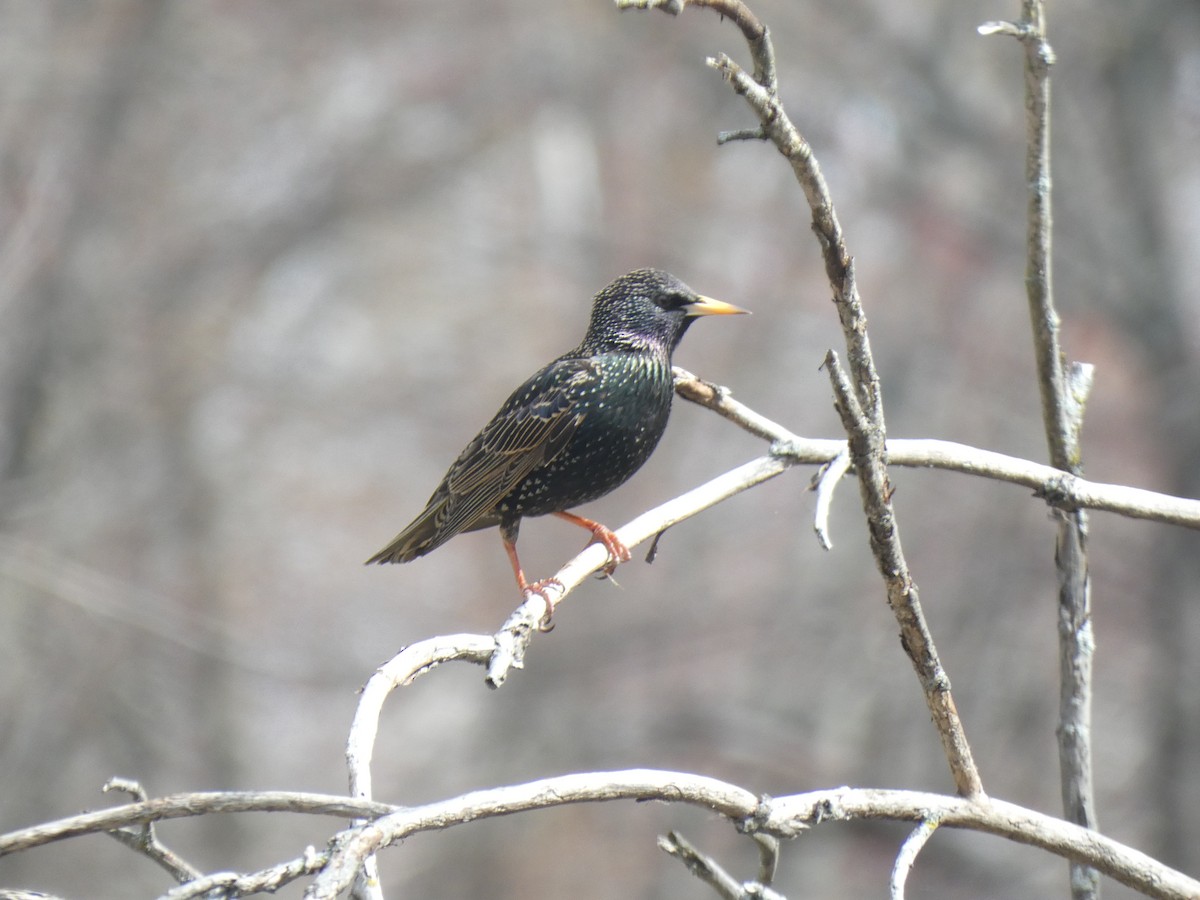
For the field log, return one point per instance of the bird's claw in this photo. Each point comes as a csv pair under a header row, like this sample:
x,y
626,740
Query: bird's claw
x,y
541,588
617,551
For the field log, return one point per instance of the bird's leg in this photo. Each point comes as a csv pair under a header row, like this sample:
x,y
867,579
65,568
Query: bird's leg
x,y
508,534
617,551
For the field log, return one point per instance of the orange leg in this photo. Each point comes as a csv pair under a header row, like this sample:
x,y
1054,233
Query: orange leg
x,y
509,537
617,552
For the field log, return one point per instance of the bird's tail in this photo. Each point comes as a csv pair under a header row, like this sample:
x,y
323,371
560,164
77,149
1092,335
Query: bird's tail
x,y
416,540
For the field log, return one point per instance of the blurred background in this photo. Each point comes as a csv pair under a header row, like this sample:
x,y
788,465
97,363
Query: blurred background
x,y
264,269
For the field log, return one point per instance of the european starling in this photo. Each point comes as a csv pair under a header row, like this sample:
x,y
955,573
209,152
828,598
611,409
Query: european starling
x,y
574,431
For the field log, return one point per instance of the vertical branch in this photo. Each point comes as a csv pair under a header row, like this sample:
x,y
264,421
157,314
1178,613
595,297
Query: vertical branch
x,y
1063,395
867,451
856,388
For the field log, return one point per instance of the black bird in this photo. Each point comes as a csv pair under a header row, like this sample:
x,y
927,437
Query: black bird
x,y
574,431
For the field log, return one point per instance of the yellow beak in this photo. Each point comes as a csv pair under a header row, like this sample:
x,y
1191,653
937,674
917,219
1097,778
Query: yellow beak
x,y
707,306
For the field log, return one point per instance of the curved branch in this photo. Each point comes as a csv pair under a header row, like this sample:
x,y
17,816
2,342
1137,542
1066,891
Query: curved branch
x,y
402,669
784,817
1007,820
353,846
743,17
180,806
907,857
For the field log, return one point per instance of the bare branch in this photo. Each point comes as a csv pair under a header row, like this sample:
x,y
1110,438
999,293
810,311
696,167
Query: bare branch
x,y
768,857
701,865
268,881
1060,489
525,620
353,846
144,840
1023,826
180,806
860,403
907,856
828,477
782,817
402,669
713,873
1063,392
867,452
741,15
505,650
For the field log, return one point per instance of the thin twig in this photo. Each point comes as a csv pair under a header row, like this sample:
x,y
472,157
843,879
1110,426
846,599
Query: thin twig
x,y
143,839
768,857
267,881
713,873
701,865
828,477
740,14
1063,392
907,856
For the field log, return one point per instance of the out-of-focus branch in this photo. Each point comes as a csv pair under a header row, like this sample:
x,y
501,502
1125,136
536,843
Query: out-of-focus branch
x,y
1064,392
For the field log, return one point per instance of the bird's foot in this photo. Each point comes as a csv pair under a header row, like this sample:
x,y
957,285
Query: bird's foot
x,y
542,589
617,551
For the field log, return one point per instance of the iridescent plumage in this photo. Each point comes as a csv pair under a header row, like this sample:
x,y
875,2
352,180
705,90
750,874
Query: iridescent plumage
x,y
575,430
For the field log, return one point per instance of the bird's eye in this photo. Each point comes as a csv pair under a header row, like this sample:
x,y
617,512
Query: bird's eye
x,y
674,300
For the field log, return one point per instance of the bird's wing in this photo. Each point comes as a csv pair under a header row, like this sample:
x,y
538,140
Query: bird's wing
x,y
534,425
532,428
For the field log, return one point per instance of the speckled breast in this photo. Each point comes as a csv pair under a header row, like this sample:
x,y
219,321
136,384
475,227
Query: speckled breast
x,y
625,413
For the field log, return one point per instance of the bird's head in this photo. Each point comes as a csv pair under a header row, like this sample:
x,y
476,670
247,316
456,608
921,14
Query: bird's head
x,y
648,308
